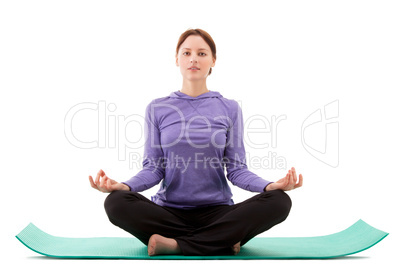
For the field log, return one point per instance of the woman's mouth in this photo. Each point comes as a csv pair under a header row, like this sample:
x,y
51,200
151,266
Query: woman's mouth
x,y
194,69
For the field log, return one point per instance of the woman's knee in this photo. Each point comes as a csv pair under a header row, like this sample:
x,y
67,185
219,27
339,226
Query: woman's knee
x,y
286,202
113,202
281,202
117,203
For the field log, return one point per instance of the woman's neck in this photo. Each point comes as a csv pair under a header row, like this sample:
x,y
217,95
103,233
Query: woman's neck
x,y
194,88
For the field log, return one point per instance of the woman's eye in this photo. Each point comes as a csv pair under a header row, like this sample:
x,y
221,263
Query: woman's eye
x,y
188,53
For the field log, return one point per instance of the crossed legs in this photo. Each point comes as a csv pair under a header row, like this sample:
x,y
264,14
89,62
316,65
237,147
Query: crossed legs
x,y
216,230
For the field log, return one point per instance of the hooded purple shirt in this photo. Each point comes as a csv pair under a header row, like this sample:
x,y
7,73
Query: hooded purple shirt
x,y
189,142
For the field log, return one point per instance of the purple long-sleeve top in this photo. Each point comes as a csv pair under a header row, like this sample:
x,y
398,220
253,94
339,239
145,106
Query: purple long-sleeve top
x,y
189,142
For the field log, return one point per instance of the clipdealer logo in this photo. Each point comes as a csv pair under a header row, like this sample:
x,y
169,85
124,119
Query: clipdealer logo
x,y
319,133
112,132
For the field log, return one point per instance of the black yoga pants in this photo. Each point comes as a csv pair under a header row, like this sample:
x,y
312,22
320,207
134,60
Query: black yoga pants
x,y
201,231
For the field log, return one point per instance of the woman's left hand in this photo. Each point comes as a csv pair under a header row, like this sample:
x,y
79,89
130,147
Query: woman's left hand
x,y
289,182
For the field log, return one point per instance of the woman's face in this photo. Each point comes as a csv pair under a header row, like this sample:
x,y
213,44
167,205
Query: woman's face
x,y
194,51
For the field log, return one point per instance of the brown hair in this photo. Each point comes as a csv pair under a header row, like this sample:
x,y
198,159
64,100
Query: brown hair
x,y
207,38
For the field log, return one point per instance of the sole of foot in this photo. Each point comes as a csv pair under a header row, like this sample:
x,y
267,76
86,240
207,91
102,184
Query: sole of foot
x,y
160,245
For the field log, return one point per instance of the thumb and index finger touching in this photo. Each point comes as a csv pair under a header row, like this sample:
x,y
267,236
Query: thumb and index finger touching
x,y
95,183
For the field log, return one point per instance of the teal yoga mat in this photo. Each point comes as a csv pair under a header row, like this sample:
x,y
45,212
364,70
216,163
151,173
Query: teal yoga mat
x,y
358,237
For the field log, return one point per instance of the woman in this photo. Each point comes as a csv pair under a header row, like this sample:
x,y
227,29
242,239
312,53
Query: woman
x,y
192,134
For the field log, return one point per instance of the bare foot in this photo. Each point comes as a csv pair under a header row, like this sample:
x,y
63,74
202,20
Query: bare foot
x,y
160,245
236,248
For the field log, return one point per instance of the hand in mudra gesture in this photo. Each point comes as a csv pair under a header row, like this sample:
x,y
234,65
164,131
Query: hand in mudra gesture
x,y
105,184
289,182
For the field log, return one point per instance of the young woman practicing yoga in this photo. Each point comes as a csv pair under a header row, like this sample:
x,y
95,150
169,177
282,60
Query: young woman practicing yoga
x,y
191,136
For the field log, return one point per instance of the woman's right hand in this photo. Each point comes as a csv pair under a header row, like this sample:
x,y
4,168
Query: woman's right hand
x,y
105,184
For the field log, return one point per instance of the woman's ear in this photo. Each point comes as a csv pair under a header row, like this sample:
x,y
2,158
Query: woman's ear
x,y
213,62
177,61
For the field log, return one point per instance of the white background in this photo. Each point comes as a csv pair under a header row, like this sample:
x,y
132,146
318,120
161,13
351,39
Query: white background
x,y
276,58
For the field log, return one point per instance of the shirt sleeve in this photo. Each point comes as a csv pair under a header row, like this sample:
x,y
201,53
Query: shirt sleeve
x,y
235,158
153,166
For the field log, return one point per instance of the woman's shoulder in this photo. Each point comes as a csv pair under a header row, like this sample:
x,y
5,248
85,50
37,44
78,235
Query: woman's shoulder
x,y
156,101
232,104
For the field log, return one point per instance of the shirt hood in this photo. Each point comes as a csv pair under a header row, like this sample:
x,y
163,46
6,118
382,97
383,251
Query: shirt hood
x,y
180,95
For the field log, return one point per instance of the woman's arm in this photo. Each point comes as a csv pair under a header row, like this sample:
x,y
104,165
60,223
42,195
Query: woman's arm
x,y
237,171
153,170
235,157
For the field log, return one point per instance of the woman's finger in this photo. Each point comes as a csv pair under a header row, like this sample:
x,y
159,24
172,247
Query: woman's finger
x,y
287,180
290,181
294,176
98,177
91,181
103,181
109,185
300,183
